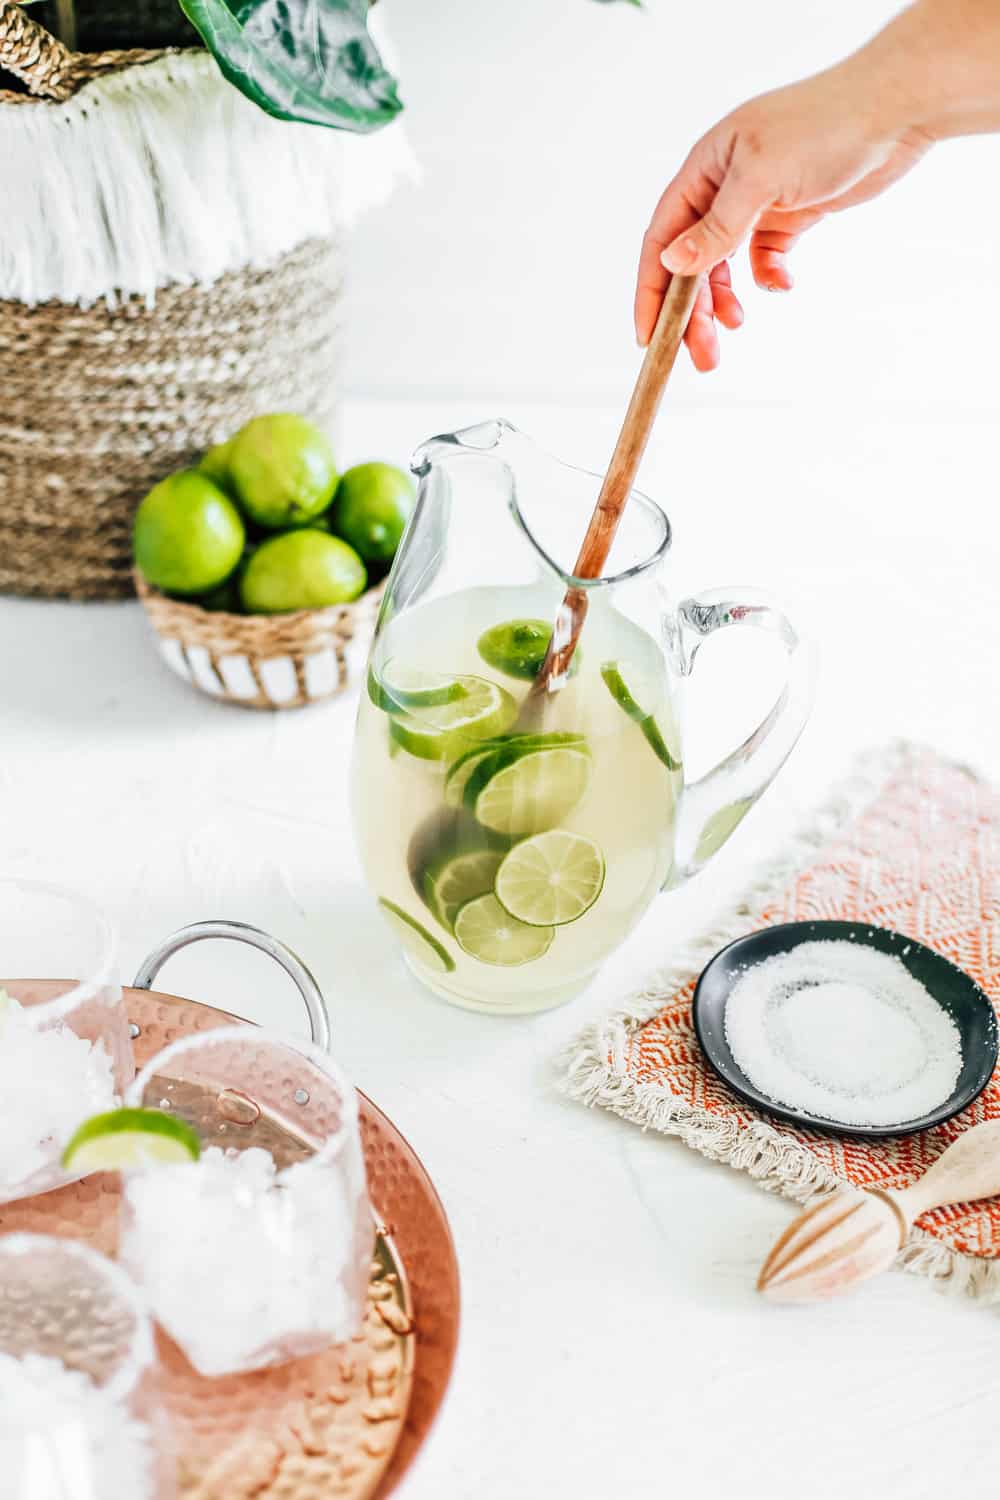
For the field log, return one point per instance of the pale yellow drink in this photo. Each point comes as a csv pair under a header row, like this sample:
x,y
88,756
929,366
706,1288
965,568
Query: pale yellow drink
x,y
604,764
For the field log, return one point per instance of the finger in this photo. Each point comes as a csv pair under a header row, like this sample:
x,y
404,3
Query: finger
x,y
701,337
727,305
681,204
775,235
722,228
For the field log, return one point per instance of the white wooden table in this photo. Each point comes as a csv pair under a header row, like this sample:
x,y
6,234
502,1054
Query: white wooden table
x,y
612,1344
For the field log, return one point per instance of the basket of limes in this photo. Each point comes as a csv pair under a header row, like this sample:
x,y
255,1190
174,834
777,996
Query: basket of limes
x,y
259,567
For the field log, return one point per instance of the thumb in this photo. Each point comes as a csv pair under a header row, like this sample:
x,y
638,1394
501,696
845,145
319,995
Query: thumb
x,y
715,237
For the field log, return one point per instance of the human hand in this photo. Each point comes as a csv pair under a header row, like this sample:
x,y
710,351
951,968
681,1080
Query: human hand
x,y
772,169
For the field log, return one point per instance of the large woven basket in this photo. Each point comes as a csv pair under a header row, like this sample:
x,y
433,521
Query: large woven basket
x,y
262,661
102,400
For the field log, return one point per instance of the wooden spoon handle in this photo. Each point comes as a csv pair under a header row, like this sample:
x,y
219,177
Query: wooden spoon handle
x,y
642,408
654,373
968,1170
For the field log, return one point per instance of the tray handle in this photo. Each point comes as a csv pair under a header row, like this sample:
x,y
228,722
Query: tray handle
x,y
241,932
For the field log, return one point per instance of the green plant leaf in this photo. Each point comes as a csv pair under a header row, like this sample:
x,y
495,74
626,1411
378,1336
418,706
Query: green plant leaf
x,y
310,60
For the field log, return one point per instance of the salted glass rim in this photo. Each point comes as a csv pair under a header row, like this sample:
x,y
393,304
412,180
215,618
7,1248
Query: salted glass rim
x,y
105,970
141,1348
251,1035
501,428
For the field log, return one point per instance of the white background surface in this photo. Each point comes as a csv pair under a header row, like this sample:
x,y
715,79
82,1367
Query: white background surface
x,y
546,131
612,1344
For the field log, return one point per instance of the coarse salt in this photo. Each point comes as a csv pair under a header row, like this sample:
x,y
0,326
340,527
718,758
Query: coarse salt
x,y
843,1032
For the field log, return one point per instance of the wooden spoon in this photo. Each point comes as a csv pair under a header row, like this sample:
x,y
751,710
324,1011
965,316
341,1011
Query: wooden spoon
x,y
649,386
855,1233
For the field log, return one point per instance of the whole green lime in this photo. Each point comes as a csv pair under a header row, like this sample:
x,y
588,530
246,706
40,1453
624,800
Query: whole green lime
x,y
301,570
214,464
371,508
188,535
282,470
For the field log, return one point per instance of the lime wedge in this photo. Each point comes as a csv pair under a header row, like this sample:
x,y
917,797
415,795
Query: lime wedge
x,y
130,1138
440,731
551,879
396,693
518,792
418,942
458,775
614,681
518,647
454,879
487,932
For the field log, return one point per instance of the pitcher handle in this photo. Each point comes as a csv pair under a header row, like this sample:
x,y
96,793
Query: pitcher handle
x,y
242,932
713,807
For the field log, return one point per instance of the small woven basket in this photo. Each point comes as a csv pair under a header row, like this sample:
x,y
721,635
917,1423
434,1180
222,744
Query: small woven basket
x,y
262,661
106,393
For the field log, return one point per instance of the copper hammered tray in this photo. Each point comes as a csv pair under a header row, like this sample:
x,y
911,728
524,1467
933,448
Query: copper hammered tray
x,y
344,1425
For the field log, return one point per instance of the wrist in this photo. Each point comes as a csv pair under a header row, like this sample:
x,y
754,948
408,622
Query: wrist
x,y
935,69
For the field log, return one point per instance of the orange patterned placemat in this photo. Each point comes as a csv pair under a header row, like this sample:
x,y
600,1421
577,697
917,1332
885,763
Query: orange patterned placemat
x,y
910,841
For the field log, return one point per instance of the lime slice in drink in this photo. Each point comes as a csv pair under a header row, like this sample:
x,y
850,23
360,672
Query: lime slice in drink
x,y
516,791
452,880
396,691
518,647
458,775
613,673
444,730
487,932
550,879
418,942
719,826
130,1138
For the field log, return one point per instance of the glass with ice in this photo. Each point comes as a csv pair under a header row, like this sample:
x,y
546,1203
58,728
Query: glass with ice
x,y
514,838
65,1051
258,1252
79,1414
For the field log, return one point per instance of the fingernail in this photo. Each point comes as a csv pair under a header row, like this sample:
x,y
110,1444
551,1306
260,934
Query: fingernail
x,y
641,341
679,255
777,287
738,314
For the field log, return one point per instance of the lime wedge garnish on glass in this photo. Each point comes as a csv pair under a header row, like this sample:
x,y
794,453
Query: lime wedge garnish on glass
x,y
613,673
395,692
487,932
550,879
130,1138
517,791
518,647
452,880
459,772
422,947
444,730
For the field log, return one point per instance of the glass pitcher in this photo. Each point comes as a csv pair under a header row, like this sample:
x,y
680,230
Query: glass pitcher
x,y
514,834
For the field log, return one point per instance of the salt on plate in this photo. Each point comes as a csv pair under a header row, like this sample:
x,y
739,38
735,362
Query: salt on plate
x,y
843,1032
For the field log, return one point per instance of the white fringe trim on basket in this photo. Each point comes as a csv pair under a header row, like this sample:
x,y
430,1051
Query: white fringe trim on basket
x,y
164,173
592,1069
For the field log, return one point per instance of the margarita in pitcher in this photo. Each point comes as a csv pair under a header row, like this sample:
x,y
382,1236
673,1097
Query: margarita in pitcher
x,y
513,844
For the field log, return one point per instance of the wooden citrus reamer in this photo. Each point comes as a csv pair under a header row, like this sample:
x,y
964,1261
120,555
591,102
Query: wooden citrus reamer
x,y
855,1233
617,485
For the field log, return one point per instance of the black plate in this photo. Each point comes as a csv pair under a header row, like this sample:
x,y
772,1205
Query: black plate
x,y
967,1005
